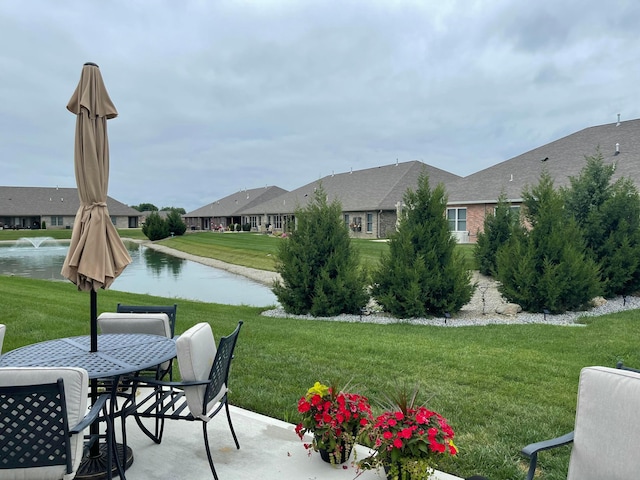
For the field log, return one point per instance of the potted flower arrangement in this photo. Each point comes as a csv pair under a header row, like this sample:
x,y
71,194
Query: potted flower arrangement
x,y
407,441
335,419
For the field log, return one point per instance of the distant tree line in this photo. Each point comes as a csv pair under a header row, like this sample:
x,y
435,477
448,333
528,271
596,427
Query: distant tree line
x,y
150,207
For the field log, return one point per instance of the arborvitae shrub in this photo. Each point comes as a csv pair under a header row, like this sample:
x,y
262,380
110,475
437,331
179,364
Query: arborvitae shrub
x,y
497,231
545,266
175,223
318,265
422,274
155,228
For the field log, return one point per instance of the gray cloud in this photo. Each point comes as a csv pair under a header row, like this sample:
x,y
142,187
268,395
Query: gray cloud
x,y
214,97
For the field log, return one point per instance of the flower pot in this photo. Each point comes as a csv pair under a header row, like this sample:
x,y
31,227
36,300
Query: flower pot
x,y
342,455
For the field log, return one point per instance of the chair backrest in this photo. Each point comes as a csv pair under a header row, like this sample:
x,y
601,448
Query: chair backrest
x,y
37,445
170,310
200,360
607,428
150,323
3,329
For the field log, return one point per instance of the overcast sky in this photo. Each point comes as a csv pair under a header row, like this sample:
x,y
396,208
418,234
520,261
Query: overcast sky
x,y
218,96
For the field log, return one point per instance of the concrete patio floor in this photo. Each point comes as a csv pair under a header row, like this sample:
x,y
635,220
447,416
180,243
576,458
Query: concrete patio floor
x,y
269,449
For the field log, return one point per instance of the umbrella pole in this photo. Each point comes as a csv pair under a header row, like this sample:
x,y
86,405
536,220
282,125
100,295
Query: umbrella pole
x,y
94,321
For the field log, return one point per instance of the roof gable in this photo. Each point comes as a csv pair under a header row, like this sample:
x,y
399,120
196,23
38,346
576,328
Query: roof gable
x,y
36,201
562,159
236,202
378,188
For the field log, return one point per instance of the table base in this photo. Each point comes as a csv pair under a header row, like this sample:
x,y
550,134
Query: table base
x,y
95,468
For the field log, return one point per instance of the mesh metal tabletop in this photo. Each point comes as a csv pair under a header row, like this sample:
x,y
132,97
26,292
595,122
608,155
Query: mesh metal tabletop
x,y
118,354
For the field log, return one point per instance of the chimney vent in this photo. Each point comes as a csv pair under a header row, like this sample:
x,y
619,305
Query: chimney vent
x,y
617,149
618,124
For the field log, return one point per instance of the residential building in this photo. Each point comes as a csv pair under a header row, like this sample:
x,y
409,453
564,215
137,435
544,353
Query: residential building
x,y
220,214
370,198
30,207
473,197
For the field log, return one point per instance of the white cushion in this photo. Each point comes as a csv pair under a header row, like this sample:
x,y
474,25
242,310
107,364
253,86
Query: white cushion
x,y
76,385
196,350
607,429
149,323
3,329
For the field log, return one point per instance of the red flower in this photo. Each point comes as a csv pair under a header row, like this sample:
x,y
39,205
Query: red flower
x,y
397,443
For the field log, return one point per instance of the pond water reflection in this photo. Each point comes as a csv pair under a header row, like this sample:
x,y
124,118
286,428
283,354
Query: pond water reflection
x,y
151,272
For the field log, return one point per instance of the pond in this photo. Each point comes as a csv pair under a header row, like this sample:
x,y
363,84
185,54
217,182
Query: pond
x,y
151,272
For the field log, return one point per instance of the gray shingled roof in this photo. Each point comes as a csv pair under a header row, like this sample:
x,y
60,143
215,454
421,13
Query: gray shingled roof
x,y
378,188
35,201
237,202
562,158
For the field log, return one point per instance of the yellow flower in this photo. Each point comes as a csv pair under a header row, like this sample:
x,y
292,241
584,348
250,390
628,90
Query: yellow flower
x,y
317,389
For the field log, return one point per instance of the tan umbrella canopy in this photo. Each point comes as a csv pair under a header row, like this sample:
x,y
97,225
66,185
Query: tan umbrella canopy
x,y
96,254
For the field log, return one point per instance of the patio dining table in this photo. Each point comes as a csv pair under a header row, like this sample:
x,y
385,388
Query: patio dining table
x,y
117,355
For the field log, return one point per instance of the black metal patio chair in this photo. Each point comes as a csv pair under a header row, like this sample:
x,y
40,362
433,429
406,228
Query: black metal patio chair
x,y
200,395
43,416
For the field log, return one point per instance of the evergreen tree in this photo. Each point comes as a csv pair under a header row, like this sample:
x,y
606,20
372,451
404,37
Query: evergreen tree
x,y
546,266
175,223
497,230
155,228
318,265
609,217
422,274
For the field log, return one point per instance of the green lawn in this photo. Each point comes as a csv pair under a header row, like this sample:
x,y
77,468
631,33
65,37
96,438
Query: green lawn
x,y
501,387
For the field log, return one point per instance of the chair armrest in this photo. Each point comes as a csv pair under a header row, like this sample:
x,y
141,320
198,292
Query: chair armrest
x,y
92,415
531,450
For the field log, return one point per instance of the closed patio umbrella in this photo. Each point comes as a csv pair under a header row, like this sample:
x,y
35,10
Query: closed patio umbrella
x,y
96,253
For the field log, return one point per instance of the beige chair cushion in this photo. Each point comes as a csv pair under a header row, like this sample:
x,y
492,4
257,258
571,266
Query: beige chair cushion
x,y
607,429
196,349
3,329
149,323
76,385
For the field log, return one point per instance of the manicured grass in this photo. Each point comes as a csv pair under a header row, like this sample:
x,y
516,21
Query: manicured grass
x,y
254,250
242,248
500,387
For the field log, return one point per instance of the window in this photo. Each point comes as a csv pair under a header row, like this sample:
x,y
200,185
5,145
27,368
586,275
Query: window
x,y
515,212
457,218
370,222
254,221
277,221
56,221
346,220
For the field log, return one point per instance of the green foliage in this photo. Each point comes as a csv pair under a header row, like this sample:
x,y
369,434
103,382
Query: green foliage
x,y
497,230
422,274
609,217
175,224
155,228
145,207
246,227
547,266
43,225
319,267
180,210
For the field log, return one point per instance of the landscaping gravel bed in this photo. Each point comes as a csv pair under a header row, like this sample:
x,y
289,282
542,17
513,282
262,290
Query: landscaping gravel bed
x,y
481,310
